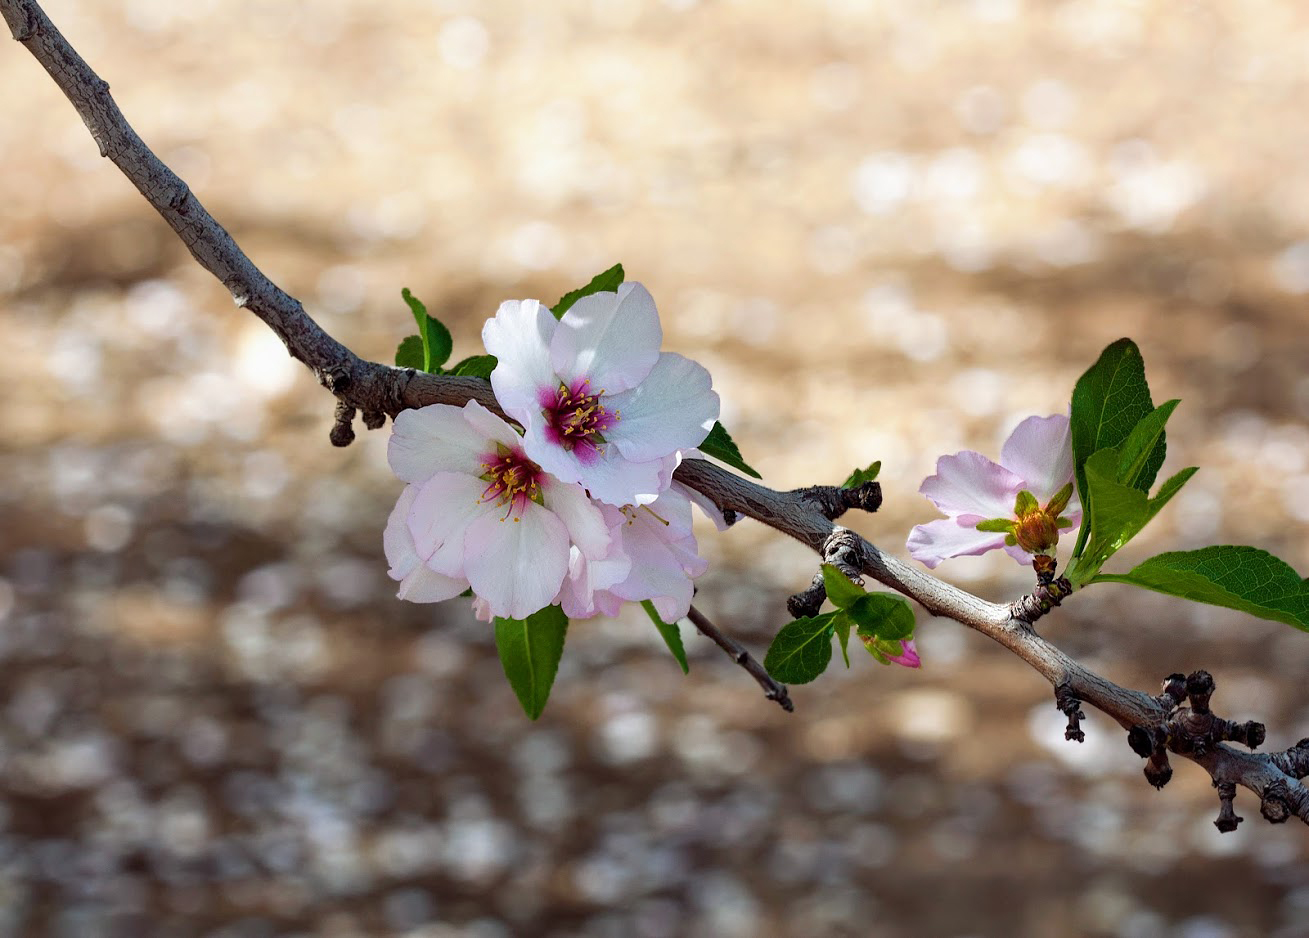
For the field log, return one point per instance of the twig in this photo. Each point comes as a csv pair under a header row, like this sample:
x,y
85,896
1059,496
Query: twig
x,y
736,651
375,389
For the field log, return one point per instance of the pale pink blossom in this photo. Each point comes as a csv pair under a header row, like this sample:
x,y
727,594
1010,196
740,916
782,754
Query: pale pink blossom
x,y
483,512
652,556
599,403
1037,459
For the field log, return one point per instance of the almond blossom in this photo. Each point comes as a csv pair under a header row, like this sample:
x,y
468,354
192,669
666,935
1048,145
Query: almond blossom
x,y
480,512
1019,505
599,403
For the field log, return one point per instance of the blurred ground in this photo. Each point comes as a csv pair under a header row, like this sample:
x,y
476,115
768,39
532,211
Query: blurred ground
x,y
890,230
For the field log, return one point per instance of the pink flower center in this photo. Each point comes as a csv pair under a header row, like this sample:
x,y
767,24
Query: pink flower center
x,y
576,419
513,480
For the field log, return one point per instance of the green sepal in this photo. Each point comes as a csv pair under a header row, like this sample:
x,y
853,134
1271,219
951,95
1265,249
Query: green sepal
x,y
605,282
862,476
801,650
1025,504
475,366
437,343
996,526
671,633
530,650
1244,578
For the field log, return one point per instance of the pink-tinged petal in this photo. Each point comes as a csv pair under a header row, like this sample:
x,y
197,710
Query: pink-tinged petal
x,y
658,570
586,525
397,542
1016,552
908,658
672,409
519,337
481,611
1040,451
672,608
445,506
611,338
610,479
935,541
583,590
417,583
428,586
517,566
490,427
432,439
968,483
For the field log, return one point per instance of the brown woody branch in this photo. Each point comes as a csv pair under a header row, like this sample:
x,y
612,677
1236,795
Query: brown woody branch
x,y
807,514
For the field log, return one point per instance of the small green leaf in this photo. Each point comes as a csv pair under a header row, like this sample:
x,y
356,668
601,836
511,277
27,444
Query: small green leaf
x,y
1244,578
671,633
841,590
841,624
1110,399
860,476
409,353
1117,514
1138,449
478,366
883,616
437,344
607,282
530,650
801,650
719,445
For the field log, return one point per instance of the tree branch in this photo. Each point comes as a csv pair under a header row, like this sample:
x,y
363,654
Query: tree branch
x,y
805,514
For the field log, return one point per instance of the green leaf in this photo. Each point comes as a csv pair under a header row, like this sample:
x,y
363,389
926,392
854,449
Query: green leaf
x,y
409,353
719,445
1244,578
1118,512
671,633
530,650
841,590
437,344
1110,399
883,616
1138,449
841,624
607,282
801,650
860,476
477,366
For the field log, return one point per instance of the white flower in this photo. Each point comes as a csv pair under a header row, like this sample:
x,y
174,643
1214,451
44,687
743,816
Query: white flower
x,y
483,513
600,405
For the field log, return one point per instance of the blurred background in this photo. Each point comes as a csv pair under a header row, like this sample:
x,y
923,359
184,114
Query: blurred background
x,y
891,231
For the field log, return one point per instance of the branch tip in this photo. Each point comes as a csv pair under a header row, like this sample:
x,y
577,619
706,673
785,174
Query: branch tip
x,y
343,431
1071,706
737,652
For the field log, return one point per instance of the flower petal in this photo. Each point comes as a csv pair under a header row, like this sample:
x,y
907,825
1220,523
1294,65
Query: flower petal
x,y
673,408
517,566
935,541
424,585
968,483
611,338
1040,451
908,658
586,525
490,427
444,508
610,478
519,337
432,439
